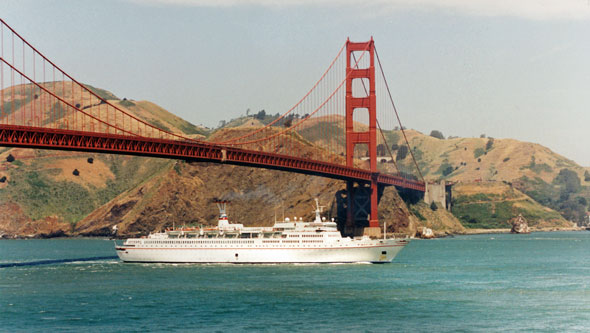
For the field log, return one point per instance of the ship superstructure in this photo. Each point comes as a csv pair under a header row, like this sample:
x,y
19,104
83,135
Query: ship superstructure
x,y
286,241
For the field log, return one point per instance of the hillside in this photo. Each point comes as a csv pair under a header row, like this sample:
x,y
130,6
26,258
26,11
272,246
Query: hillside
x,y
183,193
549,178
53,193
487,159
490,205
462,159
44,192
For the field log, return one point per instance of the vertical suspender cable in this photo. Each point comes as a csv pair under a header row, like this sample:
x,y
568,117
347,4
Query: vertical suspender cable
x,y
397,115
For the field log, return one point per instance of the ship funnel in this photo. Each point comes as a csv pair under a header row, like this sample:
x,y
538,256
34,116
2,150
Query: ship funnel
x,y
222,206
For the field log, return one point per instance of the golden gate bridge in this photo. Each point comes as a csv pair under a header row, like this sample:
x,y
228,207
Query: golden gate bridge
x,y
333,131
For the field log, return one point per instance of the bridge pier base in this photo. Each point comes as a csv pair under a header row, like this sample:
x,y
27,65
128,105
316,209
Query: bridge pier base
x,y
362,201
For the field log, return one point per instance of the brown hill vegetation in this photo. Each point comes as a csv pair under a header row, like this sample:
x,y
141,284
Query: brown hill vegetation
x,y
49,193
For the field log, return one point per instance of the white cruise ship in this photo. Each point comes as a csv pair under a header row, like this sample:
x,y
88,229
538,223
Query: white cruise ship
x,y
285,242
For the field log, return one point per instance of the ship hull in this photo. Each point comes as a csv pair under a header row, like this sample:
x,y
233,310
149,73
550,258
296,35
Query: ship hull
x,y
382,252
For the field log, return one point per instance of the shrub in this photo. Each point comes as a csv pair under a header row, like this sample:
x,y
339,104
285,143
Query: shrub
x,y
586,176
402,152
433,206
10,158
126,103
569,181
478,152
506,159
490,143
447,171
381,150
437,134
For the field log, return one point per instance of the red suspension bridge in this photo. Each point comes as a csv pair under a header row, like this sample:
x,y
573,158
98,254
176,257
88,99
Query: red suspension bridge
x,y
340,129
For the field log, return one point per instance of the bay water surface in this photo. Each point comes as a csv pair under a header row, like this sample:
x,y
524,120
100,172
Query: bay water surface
x,y
534,282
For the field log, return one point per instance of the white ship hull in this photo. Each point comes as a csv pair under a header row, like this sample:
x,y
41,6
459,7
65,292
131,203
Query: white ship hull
x,y
285,242
374,251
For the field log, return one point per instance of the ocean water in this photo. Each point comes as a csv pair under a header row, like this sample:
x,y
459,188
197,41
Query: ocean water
x,y
535,282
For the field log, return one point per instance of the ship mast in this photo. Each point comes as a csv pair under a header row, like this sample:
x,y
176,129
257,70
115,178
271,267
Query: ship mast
x,y
318,210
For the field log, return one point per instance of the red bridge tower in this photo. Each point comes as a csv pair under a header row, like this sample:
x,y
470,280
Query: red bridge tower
x,y
355,204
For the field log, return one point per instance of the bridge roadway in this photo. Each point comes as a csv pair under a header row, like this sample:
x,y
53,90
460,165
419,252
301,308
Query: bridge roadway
x,y
60,139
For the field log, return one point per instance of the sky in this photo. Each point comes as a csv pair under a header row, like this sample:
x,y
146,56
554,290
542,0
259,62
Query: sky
x,y
507,69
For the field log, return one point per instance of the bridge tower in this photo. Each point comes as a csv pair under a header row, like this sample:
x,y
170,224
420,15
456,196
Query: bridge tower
x,y
369,195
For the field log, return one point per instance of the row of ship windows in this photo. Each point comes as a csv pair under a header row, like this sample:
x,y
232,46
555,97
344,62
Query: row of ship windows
x,y
203,242
251,246
313,235
296,241
232,242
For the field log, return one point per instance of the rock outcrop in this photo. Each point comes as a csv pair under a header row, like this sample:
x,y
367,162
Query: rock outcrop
x,y
425,233
519,225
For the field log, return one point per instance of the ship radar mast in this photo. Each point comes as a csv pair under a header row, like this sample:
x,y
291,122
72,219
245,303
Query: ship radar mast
x,y
318,210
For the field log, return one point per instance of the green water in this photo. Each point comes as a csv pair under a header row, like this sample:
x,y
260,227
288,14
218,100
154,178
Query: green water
x,y
536,282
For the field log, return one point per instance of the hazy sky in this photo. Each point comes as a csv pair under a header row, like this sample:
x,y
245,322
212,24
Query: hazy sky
x,y
507,68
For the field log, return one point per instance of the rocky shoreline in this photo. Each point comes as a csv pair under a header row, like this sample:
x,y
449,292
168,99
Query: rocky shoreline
x,y
507,230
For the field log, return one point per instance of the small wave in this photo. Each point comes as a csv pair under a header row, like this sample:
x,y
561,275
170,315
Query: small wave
x,y
53,261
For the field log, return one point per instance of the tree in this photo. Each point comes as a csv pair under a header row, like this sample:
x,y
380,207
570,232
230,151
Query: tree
x,y
568,181
573,210
586,176
447,170
490,143
437,134
260,115
483,136
247,112
381,150
433,206
288,121
402,152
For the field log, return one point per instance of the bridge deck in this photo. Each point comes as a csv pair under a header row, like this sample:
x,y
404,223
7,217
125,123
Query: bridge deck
x,y
44,138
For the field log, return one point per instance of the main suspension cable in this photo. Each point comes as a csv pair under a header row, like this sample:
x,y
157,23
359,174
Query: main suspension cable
x,y
303,119
292,108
